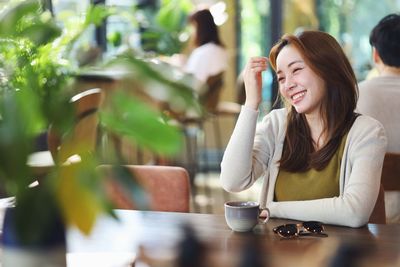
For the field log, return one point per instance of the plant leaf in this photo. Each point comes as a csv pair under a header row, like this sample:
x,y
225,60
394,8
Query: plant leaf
x,y
26,20
97,13
18,125
10,18
80,194
176,88
131,118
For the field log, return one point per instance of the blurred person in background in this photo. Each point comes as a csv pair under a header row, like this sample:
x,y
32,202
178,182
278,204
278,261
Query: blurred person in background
x,y
380,96
209,56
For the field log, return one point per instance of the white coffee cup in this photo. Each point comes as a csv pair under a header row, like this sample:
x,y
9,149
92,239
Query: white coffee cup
x,y
242,216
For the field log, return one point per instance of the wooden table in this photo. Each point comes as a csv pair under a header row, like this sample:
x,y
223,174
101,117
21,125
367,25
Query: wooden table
x,y
154,237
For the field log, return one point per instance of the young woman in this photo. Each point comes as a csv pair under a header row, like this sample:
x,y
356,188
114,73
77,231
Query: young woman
x,y
319,159
209,56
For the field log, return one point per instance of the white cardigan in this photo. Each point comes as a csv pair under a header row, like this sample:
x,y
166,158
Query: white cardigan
x,y
254,150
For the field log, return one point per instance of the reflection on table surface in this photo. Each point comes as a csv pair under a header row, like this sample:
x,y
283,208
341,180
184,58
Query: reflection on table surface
x,y
155,238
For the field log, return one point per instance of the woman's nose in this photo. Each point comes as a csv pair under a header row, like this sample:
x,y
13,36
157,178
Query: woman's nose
x,y
289,83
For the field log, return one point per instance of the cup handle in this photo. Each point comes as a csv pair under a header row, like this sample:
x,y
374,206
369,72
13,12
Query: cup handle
x,y
263,211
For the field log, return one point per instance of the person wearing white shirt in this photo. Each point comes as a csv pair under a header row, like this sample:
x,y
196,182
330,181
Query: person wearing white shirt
x,y
209,56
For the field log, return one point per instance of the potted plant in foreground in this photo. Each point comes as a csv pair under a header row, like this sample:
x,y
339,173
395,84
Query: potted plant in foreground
x,y
36,73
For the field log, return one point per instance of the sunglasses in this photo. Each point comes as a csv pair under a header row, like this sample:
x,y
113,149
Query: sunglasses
x,y
302,229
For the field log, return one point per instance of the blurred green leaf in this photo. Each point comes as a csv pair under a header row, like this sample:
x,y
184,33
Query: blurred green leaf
x,y
17,129
175,87
172,14
97,13
11,17
131,118
163,31
25,21
41,33
80,192
115,38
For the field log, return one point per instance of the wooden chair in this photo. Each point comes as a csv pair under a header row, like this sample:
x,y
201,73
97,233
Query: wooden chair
x,y
218,108
391,172
83,137
209,101
211,97
379,213
168,187
232,109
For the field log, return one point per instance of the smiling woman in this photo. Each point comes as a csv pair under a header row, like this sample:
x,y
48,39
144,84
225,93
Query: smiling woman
x,y
319,159
298,83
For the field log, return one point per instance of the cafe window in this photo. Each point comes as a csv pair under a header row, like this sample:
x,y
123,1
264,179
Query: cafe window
x,y
119,31
69,14
122,28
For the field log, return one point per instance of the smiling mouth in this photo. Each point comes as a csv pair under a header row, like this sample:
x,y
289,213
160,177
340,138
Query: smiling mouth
x,y
298,95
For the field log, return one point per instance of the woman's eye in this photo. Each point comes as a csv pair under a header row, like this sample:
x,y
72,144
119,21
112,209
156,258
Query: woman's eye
x,y
281,79
296,70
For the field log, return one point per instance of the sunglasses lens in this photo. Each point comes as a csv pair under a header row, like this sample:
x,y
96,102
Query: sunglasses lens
x,y
286,230
313,227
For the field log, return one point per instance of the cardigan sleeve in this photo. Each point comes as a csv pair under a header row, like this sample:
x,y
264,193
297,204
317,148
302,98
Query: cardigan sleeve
x,y
248,151
363,159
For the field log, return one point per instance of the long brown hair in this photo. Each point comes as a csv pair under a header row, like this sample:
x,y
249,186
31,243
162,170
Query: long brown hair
x,y
322,53
206,29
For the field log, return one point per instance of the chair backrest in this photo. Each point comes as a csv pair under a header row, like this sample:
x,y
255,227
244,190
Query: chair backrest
x,y
211,97
84,134
168,187
391,172
390,181
379,213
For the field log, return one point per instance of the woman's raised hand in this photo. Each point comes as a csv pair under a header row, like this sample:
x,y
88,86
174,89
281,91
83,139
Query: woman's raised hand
x,y
253,81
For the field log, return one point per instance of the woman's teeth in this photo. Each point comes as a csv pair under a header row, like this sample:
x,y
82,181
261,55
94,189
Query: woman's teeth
x,y
298,95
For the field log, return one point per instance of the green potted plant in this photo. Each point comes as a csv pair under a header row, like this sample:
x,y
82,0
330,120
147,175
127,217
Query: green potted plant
x,y
36,74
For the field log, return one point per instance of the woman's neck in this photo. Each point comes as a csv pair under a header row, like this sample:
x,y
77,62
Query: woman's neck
x,y
316,124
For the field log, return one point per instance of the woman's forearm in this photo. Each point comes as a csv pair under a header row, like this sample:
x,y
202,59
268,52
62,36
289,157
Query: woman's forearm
x,y
236,165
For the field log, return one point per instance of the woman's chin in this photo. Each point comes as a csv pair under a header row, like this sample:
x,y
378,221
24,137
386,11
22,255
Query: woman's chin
x,y
299,109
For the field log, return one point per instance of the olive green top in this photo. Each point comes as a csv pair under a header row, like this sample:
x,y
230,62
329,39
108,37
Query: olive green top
x,y
312,184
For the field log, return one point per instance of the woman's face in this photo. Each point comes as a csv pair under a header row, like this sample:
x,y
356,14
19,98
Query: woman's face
x,y
298,84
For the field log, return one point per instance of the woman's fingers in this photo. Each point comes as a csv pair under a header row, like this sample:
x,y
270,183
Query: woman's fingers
x,y
252,80
258,61
254,66
258,68
257,64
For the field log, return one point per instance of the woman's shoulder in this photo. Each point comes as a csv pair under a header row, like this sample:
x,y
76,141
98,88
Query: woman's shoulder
x,y
278,115
209,48
275,121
